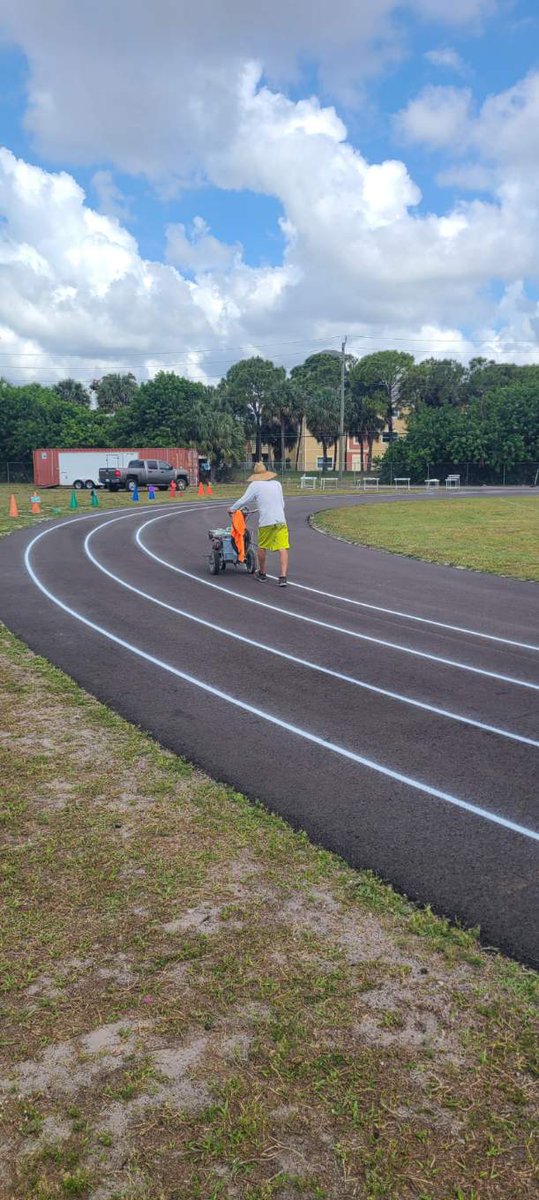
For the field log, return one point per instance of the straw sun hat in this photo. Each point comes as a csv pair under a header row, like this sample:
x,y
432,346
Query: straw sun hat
x,y
260,472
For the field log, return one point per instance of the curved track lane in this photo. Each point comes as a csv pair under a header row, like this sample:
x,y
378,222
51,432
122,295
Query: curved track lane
x,y
389,707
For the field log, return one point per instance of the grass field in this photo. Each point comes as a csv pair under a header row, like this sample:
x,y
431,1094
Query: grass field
x,y
55,502
198,1004
496,534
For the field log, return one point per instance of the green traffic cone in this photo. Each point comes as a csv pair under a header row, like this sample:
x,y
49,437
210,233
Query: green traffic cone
x,y
73,503
94,502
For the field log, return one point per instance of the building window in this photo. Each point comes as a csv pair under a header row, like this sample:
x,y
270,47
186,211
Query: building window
x,y
390,437
324,463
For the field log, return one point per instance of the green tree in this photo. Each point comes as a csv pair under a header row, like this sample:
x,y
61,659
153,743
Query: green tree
x,y
221,436
484,376
72,390
385,373
33,416
319,374
165,411
252,389
366,420
434,382
114,392
323,416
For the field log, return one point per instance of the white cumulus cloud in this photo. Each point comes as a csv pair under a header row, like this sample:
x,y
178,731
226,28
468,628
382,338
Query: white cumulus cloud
x,y
183,94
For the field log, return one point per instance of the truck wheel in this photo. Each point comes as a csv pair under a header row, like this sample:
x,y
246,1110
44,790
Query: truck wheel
x,y
131,484
181,485
214,562
250,562
78,484
89,485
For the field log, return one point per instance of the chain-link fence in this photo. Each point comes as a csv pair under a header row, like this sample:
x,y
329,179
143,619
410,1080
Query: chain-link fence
x,y
469,474
16,472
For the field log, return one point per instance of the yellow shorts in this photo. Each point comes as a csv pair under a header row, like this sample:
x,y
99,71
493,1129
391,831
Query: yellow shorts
x,y
273,537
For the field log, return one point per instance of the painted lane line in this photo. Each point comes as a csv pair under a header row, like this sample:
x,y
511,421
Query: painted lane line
x,y
363,637
395,612
270,718
302,662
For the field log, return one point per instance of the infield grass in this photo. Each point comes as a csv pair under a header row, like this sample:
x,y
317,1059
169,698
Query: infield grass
x,y
495,534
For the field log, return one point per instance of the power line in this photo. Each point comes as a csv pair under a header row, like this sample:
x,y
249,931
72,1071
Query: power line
x,y
224,353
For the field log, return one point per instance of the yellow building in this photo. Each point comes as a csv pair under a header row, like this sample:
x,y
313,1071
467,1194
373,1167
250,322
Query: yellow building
x,y
309,456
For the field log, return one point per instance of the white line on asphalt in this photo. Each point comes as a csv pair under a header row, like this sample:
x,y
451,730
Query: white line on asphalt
x,y
364,637
249,641
395,612
341,751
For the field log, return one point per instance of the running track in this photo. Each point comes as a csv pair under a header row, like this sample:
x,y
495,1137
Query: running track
x,y
387,706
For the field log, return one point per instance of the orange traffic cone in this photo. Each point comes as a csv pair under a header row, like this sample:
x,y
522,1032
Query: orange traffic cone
x,y
13,510
200,489
209,490
35,501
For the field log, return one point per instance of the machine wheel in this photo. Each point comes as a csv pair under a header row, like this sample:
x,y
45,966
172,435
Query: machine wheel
x,y
78,484
214,562
250,561
223,565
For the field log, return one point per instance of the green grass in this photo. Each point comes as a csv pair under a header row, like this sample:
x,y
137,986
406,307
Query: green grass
x,y
494,534
55,502
139,896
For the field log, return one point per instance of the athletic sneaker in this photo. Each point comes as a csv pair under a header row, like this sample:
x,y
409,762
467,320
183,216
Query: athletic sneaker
x,y
261,576
282,581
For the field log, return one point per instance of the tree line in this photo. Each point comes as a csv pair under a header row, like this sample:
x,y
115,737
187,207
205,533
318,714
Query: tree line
x,y
484,413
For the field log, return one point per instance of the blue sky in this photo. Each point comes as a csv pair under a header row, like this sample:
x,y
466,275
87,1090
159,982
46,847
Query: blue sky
x,y
272,204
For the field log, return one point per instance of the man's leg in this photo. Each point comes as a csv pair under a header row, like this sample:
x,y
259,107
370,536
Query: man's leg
x,y
261,561
283,555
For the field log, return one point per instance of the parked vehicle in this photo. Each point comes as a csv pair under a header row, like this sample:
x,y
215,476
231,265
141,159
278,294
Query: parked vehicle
x,y
81,468
143,471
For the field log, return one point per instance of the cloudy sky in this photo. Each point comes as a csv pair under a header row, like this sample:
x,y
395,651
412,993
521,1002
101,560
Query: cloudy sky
x,y
184,183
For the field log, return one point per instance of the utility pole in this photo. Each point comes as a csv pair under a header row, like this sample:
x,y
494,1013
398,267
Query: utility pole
x,y
341,426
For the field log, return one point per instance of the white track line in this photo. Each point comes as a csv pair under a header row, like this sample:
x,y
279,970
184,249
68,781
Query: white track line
x,y
395,612
302,662
322,743
363,637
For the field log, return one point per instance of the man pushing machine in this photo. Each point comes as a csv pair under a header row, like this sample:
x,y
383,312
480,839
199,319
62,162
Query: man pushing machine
x,y
266,494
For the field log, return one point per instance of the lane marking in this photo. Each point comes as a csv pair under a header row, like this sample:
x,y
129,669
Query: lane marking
x,y
395,612
303,662
288,727
363,637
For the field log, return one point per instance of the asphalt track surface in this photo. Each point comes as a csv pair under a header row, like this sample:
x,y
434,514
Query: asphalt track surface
x,y
389,707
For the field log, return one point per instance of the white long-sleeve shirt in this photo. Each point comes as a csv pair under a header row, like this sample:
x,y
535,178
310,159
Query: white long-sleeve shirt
x,y
266,495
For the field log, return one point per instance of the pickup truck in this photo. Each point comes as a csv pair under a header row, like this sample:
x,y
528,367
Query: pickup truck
x,y
141,472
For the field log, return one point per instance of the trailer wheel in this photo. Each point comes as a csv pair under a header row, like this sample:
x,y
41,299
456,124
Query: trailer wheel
x,y
89,484
78,484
